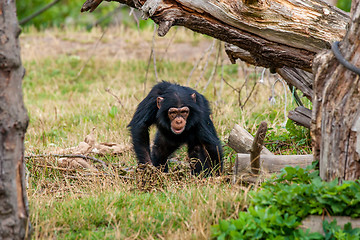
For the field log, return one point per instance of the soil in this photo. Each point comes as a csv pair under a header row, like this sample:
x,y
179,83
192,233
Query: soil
x,y
118,45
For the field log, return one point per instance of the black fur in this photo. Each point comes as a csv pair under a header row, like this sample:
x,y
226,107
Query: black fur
x,y
199,134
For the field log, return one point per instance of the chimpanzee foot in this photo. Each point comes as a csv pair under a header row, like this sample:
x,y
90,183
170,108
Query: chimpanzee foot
x,y
149,8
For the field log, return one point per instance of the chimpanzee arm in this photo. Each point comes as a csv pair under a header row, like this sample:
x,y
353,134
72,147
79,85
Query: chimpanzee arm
x,y
143,118
208,138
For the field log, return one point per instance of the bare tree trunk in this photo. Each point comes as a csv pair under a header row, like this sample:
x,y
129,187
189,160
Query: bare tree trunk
x,y
13,123
336,108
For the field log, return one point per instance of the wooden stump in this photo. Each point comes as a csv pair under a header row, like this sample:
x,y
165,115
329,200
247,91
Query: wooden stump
x,y
241,141
256,148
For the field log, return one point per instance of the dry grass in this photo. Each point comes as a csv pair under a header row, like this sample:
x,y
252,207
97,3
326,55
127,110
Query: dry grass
x,y
68,73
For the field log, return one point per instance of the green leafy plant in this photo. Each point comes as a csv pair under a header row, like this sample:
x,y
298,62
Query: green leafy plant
x,y
344,5
276,211
293,139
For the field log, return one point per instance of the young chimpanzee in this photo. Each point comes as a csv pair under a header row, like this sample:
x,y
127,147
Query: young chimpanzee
x,y
182,116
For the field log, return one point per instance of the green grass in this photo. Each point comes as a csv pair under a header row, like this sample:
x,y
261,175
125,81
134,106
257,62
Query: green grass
x,y
123,213
66,97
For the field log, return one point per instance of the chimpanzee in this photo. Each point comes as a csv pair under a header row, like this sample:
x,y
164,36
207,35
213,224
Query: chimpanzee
x,y
182,116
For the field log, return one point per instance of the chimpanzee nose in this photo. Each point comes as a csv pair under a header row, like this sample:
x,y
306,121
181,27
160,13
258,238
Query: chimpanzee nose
x,y
178,121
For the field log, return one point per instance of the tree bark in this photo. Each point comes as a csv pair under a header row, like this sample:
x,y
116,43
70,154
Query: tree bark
x,y
13,123
336,108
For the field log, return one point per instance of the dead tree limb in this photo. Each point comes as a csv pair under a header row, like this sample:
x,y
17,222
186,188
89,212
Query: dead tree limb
x,y
68,156
276,33
301,116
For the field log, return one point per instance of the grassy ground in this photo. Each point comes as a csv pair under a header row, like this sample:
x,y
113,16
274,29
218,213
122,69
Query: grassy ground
x,y
66,89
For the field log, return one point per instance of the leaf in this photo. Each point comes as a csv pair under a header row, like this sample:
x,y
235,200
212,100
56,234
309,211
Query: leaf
x,y
224,225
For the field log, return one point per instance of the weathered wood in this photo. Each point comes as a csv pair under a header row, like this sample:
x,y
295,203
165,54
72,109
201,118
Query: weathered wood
x,y
241,141
298,78
234,53
271,163
315,223
336,109
301,116
257,147
13,123
276,33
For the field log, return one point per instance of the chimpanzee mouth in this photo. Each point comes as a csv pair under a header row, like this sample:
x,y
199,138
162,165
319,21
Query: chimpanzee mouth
x,y
177,131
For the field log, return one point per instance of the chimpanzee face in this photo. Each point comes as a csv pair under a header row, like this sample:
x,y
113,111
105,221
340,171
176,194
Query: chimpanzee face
x,y
178,117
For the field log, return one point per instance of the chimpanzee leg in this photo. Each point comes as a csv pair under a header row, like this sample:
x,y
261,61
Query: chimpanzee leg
x,y
214,152
199,159
161,150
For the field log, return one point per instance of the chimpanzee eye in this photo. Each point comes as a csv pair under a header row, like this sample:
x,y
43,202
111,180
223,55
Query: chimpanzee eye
x,y
184,113
172,113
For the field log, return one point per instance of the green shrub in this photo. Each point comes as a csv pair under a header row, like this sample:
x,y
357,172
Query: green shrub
x,y
344,5
283,202
67,12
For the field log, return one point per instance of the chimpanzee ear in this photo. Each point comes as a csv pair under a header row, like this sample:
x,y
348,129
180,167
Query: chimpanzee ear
x,y
158,101
193,96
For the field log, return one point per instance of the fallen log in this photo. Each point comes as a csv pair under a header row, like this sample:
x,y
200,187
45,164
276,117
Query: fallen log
x,y
271,163
241,141
275,33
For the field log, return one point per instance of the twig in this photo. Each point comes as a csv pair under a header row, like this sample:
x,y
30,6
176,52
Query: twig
x,y
221,76
153,50
108,90
132,13
100,20
233,88
248,97
27,19
215,66
67,156
147,70
168,45
206,63
273,96
198,61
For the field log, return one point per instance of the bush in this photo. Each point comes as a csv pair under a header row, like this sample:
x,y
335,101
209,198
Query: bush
x,y
276,211
63,13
